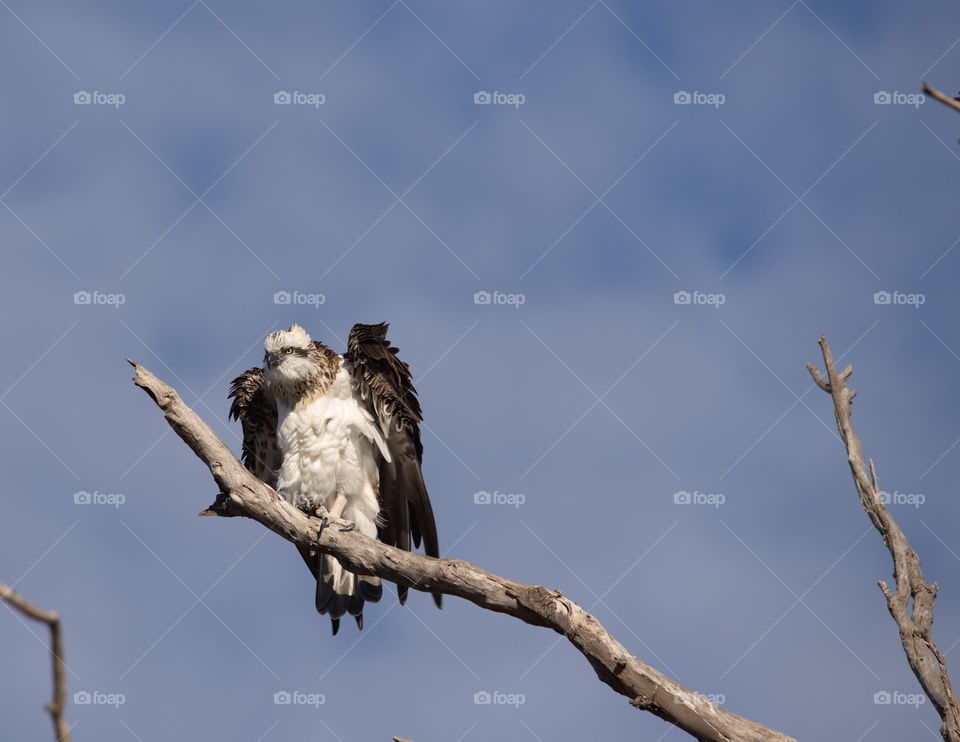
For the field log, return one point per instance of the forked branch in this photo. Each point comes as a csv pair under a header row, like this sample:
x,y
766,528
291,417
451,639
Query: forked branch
x,y
911,604
60,727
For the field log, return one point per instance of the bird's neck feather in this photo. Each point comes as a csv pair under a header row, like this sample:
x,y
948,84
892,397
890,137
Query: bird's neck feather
x,y
291,392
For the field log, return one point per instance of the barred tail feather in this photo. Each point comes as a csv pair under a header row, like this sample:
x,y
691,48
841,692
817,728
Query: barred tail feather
x,y
342,592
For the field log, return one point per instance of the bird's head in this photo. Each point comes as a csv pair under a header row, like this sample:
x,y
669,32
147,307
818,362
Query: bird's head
x,y
290,357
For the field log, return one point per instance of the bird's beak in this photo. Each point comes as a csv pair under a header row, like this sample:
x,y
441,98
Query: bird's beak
x,y
272,360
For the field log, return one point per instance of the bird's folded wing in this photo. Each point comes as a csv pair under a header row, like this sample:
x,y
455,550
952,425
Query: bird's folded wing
x,y
384,384
256,409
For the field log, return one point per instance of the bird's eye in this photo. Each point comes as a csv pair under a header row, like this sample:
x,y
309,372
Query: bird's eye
x,y
288,351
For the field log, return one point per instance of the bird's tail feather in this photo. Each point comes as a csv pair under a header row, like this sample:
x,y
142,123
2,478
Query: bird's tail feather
x,y
340,591
370,588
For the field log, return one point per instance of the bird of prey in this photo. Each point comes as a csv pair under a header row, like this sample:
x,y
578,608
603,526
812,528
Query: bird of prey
x,y
339,432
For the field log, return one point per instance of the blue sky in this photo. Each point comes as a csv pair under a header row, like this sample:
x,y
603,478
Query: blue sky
x,y
801,186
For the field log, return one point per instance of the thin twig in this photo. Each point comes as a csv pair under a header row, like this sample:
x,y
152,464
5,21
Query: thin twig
x,y
52,619
942,97
914,621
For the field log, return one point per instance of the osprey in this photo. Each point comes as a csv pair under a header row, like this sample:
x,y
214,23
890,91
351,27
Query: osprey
x,y
339,432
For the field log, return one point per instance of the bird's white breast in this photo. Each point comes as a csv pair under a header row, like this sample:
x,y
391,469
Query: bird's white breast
x,y
329,445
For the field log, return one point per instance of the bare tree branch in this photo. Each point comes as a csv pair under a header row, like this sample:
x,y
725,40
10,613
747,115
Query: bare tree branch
x,y
914,623
942,97
242,494
52,619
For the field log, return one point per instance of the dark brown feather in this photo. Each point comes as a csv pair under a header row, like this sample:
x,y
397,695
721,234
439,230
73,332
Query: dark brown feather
x,y
257,412
385,385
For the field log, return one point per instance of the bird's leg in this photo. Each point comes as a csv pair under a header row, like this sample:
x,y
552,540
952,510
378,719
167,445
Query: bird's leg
x,y
321,513
334,513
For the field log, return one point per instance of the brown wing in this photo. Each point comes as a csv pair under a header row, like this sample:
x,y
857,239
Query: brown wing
x,y
257,412
384,383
